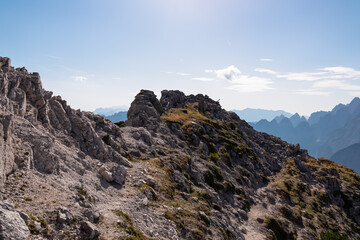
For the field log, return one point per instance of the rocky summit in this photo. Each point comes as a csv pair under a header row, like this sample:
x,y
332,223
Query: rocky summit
x,y
179,168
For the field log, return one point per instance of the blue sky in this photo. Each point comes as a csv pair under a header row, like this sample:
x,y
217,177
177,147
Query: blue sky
x,y
281,54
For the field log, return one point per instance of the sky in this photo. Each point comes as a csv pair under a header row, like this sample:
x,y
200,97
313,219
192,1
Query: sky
x,y
294,55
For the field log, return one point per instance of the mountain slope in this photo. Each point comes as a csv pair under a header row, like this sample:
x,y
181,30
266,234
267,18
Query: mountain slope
x,y
181,168
349,156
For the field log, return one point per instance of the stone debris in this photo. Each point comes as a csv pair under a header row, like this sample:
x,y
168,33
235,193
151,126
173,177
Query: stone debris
x,y
90,230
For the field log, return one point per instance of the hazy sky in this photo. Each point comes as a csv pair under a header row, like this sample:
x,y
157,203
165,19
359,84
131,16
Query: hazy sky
x,y
292,55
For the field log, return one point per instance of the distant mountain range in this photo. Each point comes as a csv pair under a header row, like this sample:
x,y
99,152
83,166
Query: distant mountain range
x,y
255,115
117,117
110,110
325,134
116,114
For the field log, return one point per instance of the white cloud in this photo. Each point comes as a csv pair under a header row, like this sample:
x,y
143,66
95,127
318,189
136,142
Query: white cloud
x,y
303,76
80,78
312,92
265,59
323,74
203,79
240,82
182,74
229,73
179,73
343,72
265,70
344,85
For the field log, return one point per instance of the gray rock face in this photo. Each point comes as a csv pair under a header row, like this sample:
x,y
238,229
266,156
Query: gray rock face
x,y
90,230
145,111
12,226
5,64
119,174
64,216
92,214
31,117
171,99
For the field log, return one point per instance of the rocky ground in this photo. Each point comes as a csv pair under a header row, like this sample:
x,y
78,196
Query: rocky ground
x,y
179,168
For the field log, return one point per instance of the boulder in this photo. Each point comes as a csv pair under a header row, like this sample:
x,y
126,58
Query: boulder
x,y
107,176
12,226
64,216
172,99
92,215
145,111
90,230
119,174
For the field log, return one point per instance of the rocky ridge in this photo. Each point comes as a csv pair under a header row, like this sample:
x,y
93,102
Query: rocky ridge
x,y
179,168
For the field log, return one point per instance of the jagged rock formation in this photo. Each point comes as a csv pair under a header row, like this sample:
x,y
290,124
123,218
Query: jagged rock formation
x,y
181,168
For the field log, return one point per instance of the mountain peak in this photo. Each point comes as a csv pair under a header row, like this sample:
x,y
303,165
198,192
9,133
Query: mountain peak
x,y
356,101
5,64
145,110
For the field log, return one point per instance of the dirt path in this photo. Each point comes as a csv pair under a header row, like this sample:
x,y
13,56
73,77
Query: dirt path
x,y
255,229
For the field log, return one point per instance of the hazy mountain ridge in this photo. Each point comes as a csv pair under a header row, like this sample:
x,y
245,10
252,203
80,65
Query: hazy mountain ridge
x,y
181,168
348,156
255,115
324,133
117,117
108,111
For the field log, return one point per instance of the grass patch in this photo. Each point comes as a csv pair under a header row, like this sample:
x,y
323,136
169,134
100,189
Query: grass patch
x,y
82,192
128,226
333,236
214,157
120,124
184,116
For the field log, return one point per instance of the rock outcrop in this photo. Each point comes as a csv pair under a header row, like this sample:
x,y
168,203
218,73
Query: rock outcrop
x,y
12,226
145,111
181,168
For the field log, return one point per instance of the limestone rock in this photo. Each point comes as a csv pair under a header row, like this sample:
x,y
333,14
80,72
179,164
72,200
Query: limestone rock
x,y
119,174
106,174
92,214
90,230
172,99
12,226
145,111
64,216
